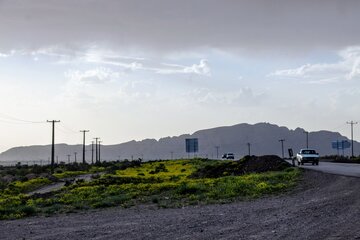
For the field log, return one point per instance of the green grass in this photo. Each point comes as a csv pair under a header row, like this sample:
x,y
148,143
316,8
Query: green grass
x,y
163,183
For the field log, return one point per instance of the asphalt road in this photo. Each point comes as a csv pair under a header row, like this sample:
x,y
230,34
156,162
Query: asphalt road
x,y
345,169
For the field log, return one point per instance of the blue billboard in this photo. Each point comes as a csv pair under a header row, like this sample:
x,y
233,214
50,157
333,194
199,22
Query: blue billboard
x,y
192,145
343,144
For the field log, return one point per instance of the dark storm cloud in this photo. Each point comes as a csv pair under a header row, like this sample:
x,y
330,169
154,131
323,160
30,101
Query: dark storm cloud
x,y
180,25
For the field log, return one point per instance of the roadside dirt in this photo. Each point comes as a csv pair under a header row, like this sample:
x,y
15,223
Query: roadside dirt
x,y
323,206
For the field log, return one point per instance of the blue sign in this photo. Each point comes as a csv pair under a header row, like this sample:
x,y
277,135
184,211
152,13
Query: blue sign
x,y
192,145
343,144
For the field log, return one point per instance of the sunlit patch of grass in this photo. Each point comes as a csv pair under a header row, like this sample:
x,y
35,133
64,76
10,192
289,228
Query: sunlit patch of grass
x,y
68,174
162,169
27,186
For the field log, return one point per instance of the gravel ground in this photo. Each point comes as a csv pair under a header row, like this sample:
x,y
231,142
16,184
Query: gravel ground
x,y
324,206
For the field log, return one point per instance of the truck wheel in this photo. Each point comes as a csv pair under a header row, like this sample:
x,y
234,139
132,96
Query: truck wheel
x,y
317,163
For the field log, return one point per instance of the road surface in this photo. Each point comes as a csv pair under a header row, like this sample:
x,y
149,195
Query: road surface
x,y
345,169
57,185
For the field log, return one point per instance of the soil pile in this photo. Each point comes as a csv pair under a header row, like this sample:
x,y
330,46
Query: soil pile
x,y
249,164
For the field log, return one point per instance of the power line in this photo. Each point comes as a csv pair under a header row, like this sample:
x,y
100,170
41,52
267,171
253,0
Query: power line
x,y
9,121
69,129
63,130
66,130
11,118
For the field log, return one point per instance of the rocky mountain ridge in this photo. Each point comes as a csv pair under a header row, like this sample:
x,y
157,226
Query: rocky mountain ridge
x,y
263,138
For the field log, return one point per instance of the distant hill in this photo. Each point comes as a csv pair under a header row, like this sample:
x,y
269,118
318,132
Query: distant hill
x,y
263,137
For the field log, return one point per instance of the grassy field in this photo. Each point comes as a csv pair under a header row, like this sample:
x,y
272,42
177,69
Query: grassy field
x,y
172,183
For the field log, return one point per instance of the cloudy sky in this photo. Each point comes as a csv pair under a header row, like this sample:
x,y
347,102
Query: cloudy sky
x,y
133,69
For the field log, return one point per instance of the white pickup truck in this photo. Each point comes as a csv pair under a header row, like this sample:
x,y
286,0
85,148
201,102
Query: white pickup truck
x,y
307,155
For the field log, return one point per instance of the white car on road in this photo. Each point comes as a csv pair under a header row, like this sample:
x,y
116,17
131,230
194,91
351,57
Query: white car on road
x,y
307,155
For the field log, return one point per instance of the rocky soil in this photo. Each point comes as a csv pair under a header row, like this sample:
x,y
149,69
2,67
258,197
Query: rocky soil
x,y
323,206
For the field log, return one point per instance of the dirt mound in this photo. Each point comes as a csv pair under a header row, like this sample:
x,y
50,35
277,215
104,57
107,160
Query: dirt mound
x,y
249,164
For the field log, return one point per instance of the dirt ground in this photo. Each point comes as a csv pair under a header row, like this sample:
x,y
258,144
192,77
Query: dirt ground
x,y
324,206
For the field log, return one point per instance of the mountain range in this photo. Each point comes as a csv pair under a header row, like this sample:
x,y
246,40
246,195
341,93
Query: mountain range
x,y
262,137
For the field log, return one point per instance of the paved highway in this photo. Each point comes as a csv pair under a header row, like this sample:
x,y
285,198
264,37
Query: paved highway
x,y
346,169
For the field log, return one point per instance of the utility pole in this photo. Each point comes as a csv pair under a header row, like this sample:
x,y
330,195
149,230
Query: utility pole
x,y
68,158
99,151
96,149
217,152
84,131
75,155
92,152
248,144
53,144
352,136
282,147
307,138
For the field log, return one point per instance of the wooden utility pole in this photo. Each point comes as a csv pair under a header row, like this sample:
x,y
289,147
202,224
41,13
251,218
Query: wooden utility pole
x,y
248,144
307,138
217,152
96,149
84,131
282,147
53,144
352,136
99,151
92,152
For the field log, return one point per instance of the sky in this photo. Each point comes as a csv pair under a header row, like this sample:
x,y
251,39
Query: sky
x,y
136,69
